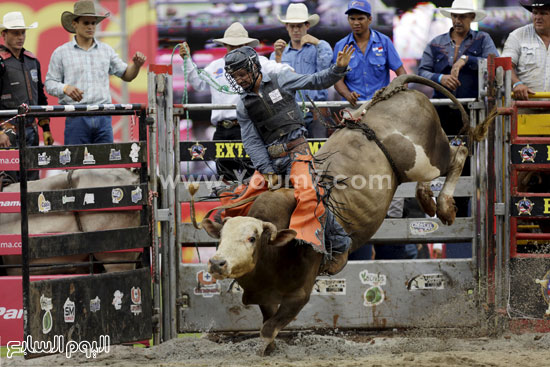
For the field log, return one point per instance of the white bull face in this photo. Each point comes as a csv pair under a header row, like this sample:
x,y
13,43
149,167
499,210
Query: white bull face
x,y
240,240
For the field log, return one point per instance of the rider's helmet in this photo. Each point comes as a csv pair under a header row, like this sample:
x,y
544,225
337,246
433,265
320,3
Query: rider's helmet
x,y
242,58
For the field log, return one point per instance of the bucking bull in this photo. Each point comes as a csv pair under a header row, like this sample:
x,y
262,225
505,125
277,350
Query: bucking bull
x,y
259,250
65,222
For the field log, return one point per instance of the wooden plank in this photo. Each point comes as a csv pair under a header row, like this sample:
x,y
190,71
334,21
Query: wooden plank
x,y
464,188
530,153
534,124
86,242
85,308
86,199
403,230
530,206
55,156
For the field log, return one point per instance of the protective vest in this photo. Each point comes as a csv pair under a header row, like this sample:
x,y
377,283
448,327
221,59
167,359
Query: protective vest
x,y
273,111
19,80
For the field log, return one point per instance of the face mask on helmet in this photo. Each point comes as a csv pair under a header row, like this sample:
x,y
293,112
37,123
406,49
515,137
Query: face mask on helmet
x,y
246,59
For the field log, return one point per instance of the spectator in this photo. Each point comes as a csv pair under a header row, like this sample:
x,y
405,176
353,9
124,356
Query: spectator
x,y
20,82
79,74
307,55
374,56
451,59
225,121
528,48
370,68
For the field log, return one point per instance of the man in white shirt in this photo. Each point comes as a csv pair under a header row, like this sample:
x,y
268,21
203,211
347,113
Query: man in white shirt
x,y
225,121
528,48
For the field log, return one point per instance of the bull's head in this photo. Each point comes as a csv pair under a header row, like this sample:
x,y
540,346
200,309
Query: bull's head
x,y
241,239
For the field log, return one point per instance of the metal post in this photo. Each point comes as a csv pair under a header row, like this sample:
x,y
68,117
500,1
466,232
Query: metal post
x,y
491,182
157,314
24,220
124,55
177,245
160,81
499,142
173,261
507,195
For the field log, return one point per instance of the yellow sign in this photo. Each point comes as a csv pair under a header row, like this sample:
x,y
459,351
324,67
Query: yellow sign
x,y
236,150
546,205
230,150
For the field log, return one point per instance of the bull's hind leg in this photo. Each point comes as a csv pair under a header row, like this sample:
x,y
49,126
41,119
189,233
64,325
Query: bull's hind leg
x,y
424,196
446,209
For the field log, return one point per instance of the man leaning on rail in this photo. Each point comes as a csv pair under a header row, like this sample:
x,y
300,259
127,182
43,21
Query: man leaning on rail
x,y
528,48
273,129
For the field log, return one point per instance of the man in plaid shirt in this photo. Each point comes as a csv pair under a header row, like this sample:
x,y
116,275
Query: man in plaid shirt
x,y
79,74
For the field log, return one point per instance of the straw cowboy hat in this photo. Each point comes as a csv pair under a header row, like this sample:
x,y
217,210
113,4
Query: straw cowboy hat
x,y
236,35
463,7
297,13
14,20
536,4
82,8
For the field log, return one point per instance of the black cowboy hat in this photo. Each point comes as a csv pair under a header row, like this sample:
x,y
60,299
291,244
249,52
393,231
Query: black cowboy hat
x,y
536,4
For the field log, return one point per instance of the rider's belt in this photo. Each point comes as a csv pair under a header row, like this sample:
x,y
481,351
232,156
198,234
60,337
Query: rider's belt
x,y
282,150
228,124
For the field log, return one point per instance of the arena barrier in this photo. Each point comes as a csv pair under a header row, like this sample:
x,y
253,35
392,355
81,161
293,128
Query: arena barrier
x,y
519,277
366,294
86,307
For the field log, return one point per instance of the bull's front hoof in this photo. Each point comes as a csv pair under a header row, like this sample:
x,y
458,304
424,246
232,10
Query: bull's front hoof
x,y
266,348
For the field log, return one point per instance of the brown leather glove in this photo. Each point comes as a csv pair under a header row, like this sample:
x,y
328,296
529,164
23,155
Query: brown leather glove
x,y
272,180
46,133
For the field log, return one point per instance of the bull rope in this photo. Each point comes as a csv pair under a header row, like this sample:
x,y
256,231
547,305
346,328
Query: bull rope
x,y
355,123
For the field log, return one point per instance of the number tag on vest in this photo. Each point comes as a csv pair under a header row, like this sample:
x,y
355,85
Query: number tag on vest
x,y
275,96
34,75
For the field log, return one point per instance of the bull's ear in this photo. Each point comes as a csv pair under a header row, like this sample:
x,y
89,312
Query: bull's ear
x,y
283,237
212,228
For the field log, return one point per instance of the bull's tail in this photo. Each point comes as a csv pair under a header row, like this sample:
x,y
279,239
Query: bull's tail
x,y
480,131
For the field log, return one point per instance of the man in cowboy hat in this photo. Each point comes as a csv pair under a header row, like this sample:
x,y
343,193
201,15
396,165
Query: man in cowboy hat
x,y
225,121
307,55
451,59
20,80
374,56
79,74
528,48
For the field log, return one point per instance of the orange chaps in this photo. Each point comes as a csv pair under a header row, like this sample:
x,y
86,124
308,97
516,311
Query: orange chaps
x,y
308,218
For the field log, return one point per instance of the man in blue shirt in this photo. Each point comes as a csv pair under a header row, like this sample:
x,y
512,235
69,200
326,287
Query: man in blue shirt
x,y
373,59
306,54
451,59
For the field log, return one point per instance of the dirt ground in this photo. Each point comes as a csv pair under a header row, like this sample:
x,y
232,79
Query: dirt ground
x,y
314,349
